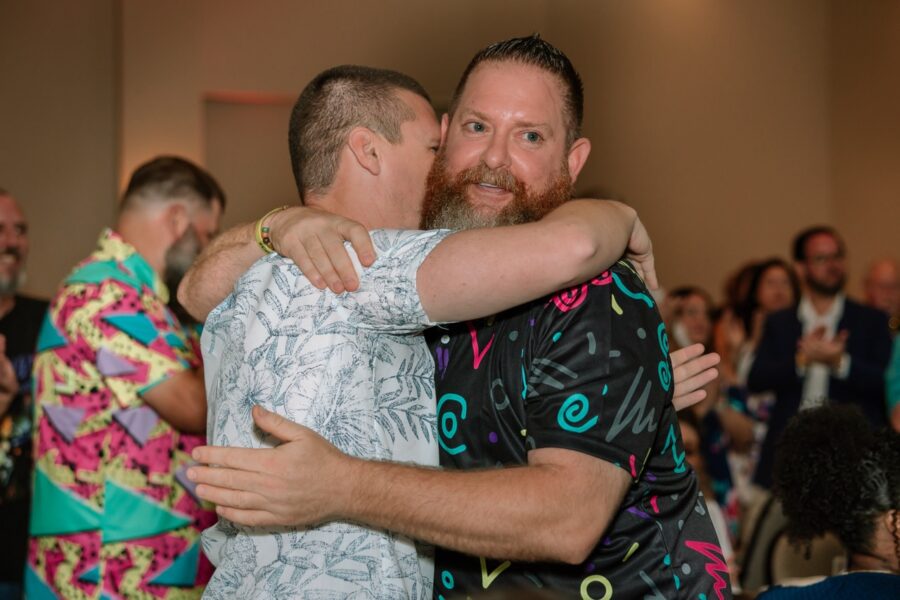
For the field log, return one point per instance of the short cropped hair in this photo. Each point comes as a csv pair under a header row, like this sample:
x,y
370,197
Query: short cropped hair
x,y
804,236
171,178
534,51
331,105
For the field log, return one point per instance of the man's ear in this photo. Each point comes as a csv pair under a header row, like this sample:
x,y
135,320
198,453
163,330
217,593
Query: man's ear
x,y
445,125
176,219
363,145
578,155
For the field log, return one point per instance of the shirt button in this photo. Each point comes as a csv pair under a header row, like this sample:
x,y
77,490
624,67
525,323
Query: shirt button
x,y
445,339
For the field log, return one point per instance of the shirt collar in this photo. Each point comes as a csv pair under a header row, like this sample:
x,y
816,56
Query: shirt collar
x,y
807,312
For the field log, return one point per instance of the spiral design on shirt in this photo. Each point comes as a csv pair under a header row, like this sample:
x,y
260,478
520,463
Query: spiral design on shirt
x,y
574,411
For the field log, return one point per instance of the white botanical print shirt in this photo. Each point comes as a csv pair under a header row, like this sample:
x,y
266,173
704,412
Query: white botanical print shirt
x,y
355,368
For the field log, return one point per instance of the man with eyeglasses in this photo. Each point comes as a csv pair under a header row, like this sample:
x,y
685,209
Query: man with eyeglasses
x,y
827,349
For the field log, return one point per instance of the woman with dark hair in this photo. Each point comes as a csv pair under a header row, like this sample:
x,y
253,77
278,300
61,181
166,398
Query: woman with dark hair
x,y
832,474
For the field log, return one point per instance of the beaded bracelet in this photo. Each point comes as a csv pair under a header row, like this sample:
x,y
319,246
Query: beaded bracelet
x,y
262,231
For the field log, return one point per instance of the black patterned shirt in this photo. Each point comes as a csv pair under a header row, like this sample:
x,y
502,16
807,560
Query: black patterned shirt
x,y
586,370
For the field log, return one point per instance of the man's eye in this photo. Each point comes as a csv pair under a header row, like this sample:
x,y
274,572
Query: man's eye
x,y
475,127
532,136
434,149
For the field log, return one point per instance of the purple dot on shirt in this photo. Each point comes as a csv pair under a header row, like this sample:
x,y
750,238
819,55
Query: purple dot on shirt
x,y
589,568
492,437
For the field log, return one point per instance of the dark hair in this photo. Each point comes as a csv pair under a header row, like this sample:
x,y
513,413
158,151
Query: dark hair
x,y
171,177
532,50
748,305
803,237
3,192
833,474
331,105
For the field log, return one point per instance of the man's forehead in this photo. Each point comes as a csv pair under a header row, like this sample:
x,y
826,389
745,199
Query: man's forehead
x,y
513,81
10,209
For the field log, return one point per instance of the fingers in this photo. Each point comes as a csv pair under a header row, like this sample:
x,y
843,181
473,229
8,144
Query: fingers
x,y
339,263
361,240
682,355
231,498
245,459
253,518
695,382
283,429
299,253
688,400
214,481
650,273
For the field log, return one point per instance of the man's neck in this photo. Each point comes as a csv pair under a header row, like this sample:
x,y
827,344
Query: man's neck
x,y
821,303
7,302
141,235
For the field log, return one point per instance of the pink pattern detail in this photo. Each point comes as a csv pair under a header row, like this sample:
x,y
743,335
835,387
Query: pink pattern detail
x,y
478,354
631,461
604,279
571,299
715,565
654,504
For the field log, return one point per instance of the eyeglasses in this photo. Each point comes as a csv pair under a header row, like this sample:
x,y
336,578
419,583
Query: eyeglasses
x,y
821,259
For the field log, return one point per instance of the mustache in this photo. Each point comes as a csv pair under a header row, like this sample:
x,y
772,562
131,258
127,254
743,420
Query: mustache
x,y
481,173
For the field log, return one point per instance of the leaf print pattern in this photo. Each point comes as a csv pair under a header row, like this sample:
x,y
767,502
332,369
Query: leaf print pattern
x,y
353,367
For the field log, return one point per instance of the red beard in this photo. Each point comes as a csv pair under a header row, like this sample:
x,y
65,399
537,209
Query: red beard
x,y
446,205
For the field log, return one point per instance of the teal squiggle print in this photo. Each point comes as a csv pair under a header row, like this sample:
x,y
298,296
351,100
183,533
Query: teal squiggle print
x,y
573,410
634,295
450,423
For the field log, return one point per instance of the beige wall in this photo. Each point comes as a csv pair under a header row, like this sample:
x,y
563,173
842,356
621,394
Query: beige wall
x,y
58,119
729,125
865,102
710,118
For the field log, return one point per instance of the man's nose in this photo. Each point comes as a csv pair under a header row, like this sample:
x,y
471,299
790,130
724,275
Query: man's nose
x,y
496,154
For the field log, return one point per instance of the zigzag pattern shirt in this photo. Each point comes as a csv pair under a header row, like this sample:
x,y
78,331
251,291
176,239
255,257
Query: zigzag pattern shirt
x,y
355,368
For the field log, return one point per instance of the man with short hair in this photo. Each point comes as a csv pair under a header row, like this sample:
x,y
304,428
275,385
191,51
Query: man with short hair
x,y
564,466
355,367
882,289
828,349
20,320
121,404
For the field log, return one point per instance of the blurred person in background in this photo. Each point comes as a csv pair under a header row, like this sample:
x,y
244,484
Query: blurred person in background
x,y
829,349
20,321
772,286
833,475
120,404
881,289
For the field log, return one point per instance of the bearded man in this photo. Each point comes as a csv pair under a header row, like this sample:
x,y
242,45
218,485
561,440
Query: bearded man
x,y
829,349
563,465
121,404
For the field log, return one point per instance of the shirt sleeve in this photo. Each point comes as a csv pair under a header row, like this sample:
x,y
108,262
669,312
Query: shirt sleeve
x,y
600,371
387,298
892,377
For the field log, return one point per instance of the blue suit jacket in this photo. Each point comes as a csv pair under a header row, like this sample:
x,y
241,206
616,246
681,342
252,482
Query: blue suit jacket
x,y
869,347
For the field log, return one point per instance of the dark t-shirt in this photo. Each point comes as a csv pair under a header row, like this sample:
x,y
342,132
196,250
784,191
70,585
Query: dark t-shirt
x,y
585,370
871,586
20,326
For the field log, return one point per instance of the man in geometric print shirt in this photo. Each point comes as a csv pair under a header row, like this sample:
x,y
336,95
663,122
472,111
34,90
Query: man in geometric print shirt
x,y
121,404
